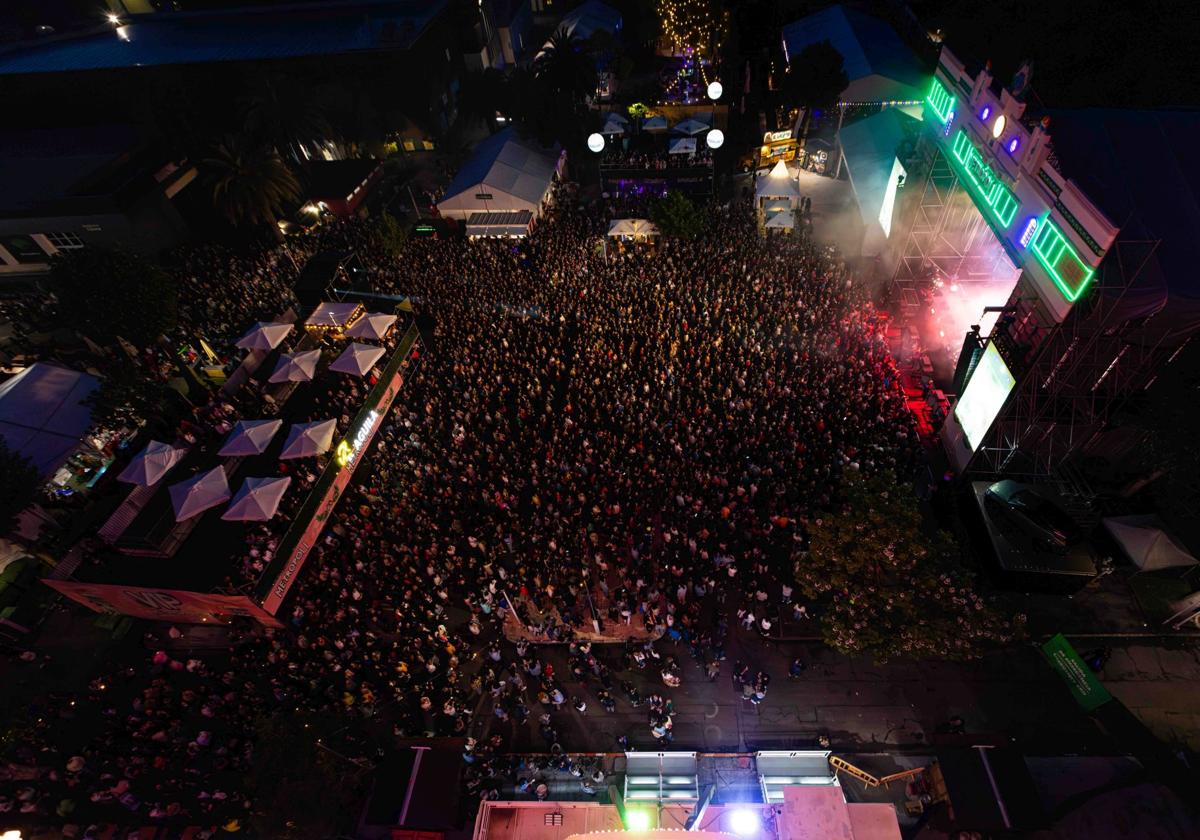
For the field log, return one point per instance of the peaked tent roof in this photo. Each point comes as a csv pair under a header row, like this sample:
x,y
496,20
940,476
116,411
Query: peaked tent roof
x,y
151,464
264,335
779,183
658,123
870,147
257,500
691,127
632,227
43,414
199,493
879,66
504,163
305,440
372,325
249,437
296,367
1147,544
682,146
357,359
614,125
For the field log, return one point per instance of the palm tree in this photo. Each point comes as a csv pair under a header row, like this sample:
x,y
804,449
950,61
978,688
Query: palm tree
x,y
250,182
286,114
566,69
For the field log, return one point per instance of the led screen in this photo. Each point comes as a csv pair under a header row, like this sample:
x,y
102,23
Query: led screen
x,y
984,396
889,196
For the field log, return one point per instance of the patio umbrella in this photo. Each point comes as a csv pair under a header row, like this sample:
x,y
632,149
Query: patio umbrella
x,y
614,125
250,437
655,124
257,500
372,325
151,464
296,367
199,493
357,359
691,127
305,440
683,146
264,336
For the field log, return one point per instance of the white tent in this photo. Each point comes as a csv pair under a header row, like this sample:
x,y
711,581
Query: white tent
x,y
683,146
199,493
636,228
264,336
615,124
372,325
296,367
779,183
505,174
783,220
305,440
691,126
1146,544
330,314
151,464
655,124
249,437
257,500
357,359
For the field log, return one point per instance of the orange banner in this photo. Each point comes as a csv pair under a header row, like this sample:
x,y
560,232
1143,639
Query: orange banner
x,y
174,605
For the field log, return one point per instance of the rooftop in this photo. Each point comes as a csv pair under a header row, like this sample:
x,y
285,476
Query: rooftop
x,y
38,165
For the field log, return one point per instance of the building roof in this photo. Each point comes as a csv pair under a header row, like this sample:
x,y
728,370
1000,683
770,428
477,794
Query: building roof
x,y
870,147
43,415
505,164
41,165
337,180
242,34
879,66
590,17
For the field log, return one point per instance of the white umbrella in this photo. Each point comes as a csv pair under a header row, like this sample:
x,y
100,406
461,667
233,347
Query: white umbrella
x,y
296,367
783,220
1146,543
151,464
264,336
250,437
357,359
305,440
614,125
257,500
199,493
655,124
683,146
372,325
691,126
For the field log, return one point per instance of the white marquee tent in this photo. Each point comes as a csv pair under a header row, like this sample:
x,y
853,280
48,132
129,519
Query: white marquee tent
x,y
305,440
249,437
264,336
615,124
296,367
655,124
256,500
1147,545
505,174
683,146
151,464
199,493
357,359
633,228
373,325
691,126
779,183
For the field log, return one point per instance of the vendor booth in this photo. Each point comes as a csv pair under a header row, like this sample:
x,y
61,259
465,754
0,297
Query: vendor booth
x,y
513,225
777,191
333,319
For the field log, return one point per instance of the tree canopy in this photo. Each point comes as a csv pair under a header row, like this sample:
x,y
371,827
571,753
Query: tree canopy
x,y
106,293
249,181
886,587
677,215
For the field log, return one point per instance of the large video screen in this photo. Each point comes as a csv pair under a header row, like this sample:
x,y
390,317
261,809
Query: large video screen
x,y
987,389
889,196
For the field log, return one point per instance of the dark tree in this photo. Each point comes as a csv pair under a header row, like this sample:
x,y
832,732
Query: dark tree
x,y
815,78
677,215
105,294
19,482
250,183
286,114
126,397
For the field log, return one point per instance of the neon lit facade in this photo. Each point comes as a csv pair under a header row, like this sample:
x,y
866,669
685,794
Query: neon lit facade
x,y
994,196
941,101
1061,261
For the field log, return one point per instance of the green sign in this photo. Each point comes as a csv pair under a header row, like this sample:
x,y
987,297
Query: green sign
x,y
1071,274
996,197
1084,687
941,101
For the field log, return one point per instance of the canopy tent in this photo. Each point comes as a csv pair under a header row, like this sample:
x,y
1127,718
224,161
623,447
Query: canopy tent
x,y
357,359
683,146
333,316
305,440
879,66
779,183
654,124
615,124
296,367
494,225
151,464
372,325
691,126
199,493
264,336
871,149
44,413
1147,545
783,220
776,205
249,437
636,228
257,500
505,174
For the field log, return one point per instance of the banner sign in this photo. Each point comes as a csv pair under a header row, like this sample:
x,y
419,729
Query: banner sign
x,y
1084,687
313,516
173,605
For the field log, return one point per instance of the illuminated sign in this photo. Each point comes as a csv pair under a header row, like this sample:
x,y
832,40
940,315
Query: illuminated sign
x,y
347,451
777,136
996,197
1027,234
940,101
1071,274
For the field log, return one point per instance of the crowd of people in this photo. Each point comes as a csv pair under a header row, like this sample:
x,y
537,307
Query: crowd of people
x,y
660,159
645,435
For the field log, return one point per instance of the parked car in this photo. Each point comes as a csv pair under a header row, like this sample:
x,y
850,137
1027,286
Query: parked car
x,y
1022,508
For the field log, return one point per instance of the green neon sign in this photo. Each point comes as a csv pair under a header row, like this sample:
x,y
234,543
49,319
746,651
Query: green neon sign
x,y
941,101
991,190
1071,274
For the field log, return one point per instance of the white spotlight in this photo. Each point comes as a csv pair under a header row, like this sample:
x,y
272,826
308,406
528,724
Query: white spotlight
x,y
715,138
596,142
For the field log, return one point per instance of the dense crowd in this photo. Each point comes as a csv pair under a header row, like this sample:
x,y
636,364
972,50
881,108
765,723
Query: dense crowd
x,y
635,436
616,157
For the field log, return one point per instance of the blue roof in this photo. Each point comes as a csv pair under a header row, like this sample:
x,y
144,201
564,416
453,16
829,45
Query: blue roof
x,y
43,415
1141,170
233,35
869,46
